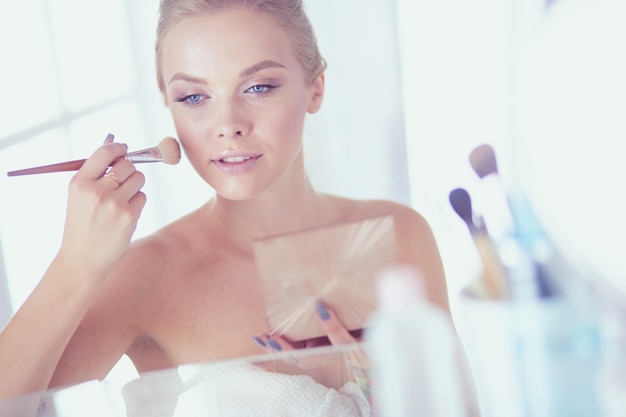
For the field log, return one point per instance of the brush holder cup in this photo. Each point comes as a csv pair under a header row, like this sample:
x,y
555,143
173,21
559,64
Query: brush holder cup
x,y
487,333
532,358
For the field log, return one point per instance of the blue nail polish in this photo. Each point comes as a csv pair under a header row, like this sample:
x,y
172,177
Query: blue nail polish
x,y
322,311
274,344
259,341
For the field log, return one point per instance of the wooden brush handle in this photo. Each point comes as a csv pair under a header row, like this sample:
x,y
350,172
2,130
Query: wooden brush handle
x,y
61,166
494,274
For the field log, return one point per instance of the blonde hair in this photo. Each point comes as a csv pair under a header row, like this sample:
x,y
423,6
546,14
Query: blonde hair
x,y
288,14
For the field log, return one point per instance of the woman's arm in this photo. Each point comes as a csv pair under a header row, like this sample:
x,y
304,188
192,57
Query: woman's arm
x,y
101,217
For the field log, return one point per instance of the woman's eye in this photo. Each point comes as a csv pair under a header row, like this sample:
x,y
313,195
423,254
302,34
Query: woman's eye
x,y
261,89
194,98
191,99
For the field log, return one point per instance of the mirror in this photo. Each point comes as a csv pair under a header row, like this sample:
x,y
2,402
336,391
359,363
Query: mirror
x,y
345,156
421,89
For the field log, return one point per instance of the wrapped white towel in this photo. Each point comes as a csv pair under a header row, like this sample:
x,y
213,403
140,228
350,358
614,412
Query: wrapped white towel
x,y
239,389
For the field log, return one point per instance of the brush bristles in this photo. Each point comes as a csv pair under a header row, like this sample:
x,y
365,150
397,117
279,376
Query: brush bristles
x,y
483,160
170,150
462,204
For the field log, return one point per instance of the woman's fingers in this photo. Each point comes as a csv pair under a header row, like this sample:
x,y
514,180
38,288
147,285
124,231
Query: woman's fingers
x,y
335,331
124,175
104,204
356,357
272,344
96,165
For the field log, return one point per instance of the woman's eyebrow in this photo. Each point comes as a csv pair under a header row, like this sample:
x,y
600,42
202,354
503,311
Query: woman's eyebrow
x,y
268,63
179,76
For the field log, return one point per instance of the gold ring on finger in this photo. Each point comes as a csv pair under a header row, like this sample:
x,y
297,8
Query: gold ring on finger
x,y
112,176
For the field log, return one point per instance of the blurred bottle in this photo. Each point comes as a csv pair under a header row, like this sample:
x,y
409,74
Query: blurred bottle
x,y
418,367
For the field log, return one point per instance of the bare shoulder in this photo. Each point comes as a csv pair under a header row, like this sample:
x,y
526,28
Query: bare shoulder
x,y
413,233
416,244
408,221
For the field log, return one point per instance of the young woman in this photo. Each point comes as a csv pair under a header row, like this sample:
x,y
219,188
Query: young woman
x,y
239,78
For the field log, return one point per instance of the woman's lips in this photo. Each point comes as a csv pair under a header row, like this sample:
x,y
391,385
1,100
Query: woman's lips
x,y
236,163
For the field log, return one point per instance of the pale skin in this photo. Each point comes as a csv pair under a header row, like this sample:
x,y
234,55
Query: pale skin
x,y
190,292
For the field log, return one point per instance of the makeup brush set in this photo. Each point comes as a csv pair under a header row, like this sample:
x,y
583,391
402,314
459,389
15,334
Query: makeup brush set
x,y
528,328
508,248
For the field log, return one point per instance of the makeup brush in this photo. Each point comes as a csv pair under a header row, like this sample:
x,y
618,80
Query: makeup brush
x,y
494,198
494,274
483,160
513,222
168,151
518,214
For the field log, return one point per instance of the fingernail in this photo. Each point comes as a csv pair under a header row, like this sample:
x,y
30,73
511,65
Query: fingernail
x,y
274,344
109,138
322,311
259,341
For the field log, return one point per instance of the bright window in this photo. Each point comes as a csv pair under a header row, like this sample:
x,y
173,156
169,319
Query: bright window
x,y
68,79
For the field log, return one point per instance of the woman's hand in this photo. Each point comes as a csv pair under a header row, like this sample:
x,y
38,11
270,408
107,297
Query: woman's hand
x,y
337,335
355,358
103,208
335,331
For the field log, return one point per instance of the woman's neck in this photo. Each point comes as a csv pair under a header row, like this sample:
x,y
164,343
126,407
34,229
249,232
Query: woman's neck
x,y
267,214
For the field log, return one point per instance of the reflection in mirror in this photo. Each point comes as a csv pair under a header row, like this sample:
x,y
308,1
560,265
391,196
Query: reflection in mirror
x,y
403,107
166,302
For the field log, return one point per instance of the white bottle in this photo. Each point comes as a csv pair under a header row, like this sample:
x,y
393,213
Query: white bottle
x,y
417,365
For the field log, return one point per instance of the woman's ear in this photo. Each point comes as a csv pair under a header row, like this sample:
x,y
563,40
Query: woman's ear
x,y
317,94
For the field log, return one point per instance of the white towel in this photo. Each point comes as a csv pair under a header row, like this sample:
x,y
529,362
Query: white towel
x,y
239,389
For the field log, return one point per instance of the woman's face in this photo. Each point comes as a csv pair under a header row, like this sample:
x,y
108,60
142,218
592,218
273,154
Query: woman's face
x,y
238,97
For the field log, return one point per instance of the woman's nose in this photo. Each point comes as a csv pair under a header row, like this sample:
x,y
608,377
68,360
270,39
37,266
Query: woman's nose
x,y
231,121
